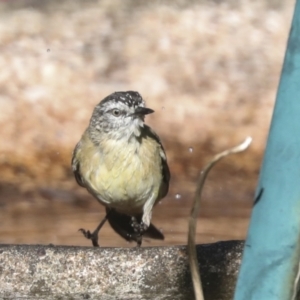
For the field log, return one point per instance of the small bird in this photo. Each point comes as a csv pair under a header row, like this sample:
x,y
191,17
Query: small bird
x,y
122,163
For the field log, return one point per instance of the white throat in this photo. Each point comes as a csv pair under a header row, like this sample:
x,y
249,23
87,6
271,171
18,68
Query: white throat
x,y
130,133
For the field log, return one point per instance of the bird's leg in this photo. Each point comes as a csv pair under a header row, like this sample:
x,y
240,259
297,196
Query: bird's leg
x,y
139,229
94,235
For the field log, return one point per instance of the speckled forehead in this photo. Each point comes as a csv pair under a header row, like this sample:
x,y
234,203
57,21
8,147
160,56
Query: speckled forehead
x,y
131,99
123,100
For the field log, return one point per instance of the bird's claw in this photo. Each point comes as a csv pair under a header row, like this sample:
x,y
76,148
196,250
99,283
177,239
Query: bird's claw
x,y
139,229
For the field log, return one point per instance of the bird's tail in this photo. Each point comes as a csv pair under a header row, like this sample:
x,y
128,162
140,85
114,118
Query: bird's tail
x,y
121,224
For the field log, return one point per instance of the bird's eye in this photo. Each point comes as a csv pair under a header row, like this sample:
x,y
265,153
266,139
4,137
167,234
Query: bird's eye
x,y
116,112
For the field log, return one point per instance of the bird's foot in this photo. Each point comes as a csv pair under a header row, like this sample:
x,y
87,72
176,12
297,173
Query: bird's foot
x,y
90,236
94,235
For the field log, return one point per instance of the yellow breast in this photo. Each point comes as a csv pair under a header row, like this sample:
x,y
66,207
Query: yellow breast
x,y
122,176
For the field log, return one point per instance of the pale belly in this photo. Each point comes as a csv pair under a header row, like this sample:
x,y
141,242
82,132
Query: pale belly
x,y
125,181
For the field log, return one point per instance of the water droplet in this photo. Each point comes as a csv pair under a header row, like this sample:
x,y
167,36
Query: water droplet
x,y
161,230
57,153
177,196
191,150
159,203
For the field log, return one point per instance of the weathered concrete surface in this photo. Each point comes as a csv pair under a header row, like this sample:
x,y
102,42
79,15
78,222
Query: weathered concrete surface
x,y
60,272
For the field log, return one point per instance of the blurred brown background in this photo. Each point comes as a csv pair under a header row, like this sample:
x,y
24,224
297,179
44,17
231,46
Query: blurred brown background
x,y
210,69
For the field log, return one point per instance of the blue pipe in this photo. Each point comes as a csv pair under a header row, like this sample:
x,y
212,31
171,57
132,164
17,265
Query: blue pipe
x,y
270,263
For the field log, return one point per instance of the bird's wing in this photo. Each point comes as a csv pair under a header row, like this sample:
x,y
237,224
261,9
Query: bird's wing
x,y
76,165
166,174
165,168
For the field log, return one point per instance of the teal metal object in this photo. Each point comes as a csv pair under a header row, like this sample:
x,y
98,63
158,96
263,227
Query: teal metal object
x,y
270,264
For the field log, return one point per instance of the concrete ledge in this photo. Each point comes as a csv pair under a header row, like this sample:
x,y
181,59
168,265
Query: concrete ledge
x,y
61,272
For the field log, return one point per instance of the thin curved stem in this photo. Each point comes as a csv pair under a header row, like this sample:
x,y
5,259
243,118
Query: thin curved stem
x,y
193,261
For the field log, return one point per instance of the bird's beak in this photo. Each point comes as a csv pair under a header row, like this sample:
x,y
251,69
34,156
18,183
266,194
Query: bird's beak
x,y
143,111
